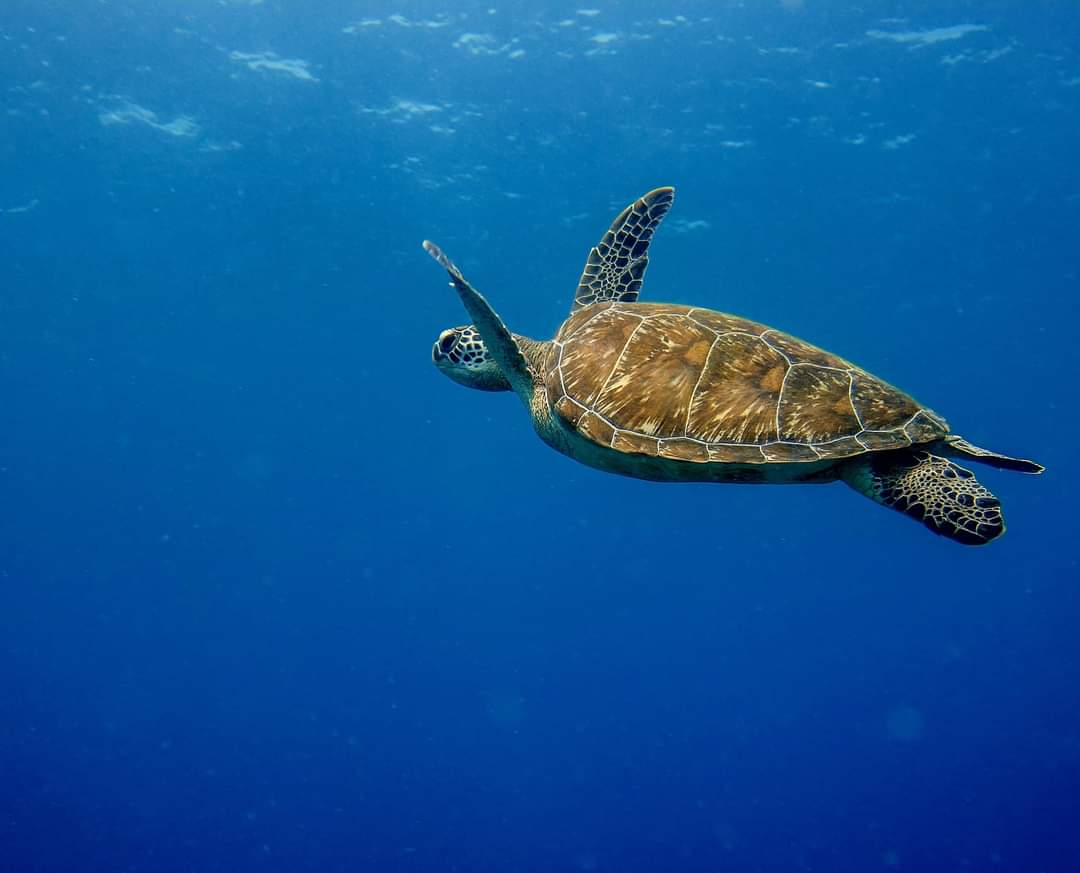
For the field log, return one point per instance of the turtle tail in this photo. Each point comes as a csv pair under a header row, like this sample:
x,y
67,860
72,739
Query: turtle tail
x,y
957,446
946,498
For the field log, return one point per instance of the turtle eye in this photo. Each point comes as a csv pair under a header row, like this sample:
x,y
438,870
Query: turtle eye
x,y
447,342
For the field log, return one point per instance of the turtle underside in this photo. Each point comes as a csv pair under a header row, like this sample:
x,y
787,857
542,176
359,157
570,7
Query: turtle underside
x,y
690,384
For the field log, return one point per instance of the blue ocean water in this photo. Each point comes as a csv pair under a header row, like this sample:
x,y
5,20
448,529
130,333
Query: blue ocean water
x,y
277,596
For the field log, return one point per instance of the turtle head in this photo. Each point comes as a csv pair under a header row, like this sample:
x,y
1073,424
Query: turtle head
x,y
460,353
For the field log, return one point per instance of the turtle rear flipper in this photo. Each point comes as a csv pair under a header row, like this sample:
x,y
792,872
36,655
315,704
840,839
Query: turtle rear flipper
x,y
957,445
945,497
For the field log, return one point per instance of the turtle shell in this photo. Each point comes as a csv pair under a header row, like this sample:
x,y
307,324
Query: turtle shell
x,y
695,385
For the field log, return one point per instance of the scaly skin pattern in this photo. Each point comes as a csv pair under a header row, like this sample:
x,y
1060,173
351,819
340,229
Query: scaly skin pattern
x,y
945,497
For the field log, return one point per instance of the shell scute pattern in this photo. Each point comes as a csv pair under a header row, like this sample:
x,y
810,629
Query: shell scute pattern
x,y
789,453
736,397
878,404
655,374
596,428
844,447
815,405
607,337
882,439
683,449
570,410
925,426
579,318
695,385
735,454
798,351
721,322
635,443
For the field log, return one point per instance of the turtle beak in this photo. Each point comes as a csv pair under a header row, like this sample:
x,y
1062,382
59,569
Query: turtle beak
x,y
443,346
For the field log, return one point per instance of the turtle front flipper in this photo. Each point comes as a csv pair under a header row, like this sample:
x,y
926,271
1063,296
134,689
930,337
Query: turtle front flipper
x,y
497,339
616,265
945,497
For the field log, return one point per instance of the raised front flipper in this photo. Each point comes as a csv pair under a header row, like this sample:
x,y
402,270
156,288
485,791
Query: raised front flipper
x,y
946,498
497,339
616,264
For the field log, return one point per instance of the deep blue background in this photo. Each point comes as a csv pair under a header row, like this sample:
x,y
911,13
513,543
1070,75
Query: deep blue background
x,y
276,596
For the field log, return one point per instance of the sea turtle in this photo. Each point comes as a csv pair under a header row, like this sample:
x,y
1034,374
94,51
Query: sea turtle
x,y
680,393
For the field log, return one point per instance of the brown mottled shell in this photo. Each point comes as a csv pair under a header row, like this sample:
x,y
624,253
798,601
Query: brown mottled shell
x,y
696,385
